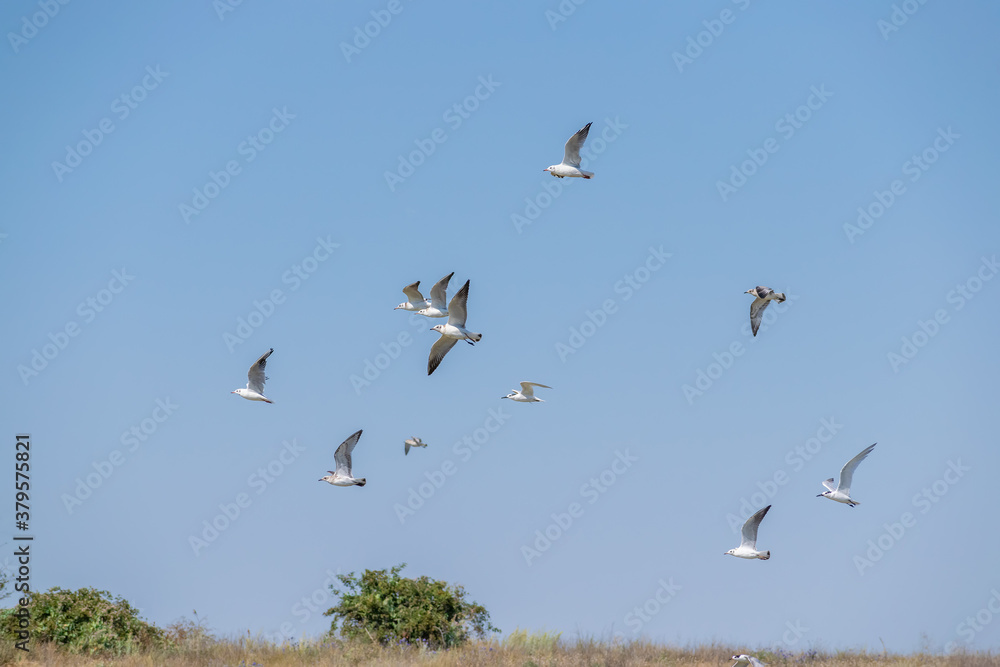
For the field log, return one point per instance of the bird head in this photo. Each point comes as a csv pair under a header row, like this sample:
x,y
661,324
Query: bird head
x,y
438,327
237,391
731,552
752,290
402,305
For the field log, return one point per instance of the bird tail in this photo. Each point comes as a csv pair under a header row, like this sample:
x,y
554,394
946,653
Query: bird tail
x,y
780,296
476,337
362,482
765,555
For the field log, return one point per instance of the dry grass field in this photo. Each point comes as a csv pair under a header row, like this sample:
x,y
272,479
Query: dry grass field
x,y
518,651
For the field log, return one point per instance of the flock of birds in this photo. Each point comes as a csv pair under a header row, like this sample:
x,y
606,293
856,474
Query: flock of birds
x,y
438,306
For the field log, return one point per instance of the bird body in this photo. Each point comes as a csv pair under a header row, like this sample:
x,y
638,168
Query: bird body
x,y
412,442
437,305
254,390
415,301
570,166
764,295
343,475
748,545
746,661
527,393
842,491
453,331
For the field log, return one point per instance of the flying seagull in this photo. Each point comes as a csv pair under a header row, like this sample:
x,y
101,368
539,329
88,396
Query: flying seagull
x,y
764,295
255,381
414,299
746,661
748,547
570,166
412,442
527,394
842,492
437,305
342,456
454,331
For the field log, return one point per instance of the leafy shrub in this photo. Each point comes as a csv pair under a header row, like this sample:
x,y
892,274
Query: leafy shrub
x,y
85,621
383,607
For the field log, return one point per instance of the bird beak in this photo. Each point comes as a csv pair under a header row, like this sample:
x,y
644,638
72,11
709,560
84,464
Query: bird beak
x,y
232,392
504,397
819,495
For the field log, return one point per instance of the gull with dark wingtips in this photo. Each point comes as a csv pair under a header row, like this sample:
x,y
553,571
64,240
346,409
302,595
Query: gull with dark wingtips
x,y
842,492
570,166
255,381
748,545
765,295
415,301
744,660
343,475
437,305
454,331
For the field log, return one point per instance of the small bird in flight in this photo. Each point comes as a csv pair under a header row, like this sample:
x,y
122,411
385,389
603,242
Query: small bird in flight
x,y
255,381
437,305
454,331
412,442
746,661
842,492
343,475
527,394
415,301
748,546
764,296
570,166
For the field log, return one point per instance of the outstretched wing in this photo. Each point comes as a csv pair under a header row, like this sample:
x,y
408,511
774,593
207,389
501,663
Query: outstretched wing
x,y
573,145
255,376
830,486
847,472
526,388
406,447
757,313
413,294
750,528
438,350
456,309
439,293
343,454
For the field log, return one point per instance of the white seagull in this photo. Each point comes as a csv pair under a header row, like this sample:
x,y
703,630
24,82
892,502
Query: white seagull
x,y
255,381
764,296
342,456
437,305
842,492
412,442
527,394
414,299
745,660
748,547
570,166
454,331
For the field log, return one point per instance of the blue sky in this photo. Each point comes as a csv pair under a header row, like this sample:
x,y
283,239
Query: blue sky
x,y
170,172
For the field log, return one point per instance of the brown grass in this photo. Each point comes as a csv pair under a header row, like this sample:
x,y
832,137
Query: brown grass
x,y
248,652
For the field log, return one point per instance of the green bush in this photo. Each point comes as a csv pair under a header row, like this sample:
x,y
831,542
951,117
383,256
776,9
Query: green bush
x,y
383,607
85,621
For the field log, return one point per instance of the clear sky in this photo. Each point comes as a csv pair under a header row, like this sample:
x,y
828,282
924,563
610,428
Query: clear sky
x,y
185,188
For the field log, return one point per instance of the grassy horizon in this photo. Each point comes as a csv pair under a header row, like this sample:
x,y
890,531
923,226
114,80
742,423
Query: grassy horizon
x,y
521,649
